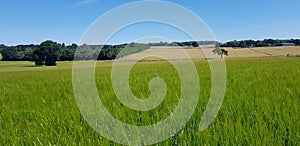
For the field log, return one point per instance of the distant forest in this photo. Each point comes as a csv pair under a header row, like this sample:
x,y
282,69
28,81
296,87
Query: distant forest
x,y
66,52
261,43
110,52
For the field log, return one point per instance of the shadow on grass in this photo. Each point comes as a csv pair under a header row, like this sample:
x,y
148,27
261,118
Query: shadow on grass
x,y
31,66
34,66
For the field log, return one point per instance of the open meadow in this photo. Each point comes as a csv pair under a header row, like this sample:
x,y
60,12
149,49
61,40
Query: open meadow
x,y
261,104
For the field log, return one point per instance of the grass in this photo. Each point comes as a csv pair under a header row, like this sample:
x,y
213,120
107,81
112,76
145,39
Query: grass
x,y
261,104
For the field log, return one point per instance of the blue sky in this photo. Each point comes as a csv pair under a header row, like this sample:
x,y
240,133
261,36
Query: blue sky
x,y
33,21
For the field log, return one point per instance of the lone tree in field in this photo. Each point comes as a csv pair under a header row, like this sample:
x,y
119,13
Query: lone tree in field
x,y
220,52
195,44
47,53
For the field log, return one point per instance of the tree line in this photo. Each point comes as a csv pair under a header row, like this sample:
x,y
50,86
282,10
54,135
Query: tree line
x,y
260,43
63,52
233,44
48,52
183,44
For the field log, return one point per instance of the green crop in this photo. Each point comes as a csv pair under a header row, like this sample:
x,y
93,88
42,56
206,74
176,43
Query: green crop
x,y
261,104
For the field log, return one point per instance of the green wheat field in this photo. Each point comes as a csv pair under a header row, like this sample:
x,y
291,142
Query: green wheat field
x,y
261,104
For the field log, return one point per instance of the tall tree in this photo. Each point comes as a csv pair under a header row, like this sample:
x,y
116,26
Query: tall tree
x,y
47,53
195,44
220,52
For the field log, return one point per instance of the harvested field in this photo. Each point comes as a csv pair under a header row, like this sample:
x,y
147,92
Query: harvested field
x,y
196,53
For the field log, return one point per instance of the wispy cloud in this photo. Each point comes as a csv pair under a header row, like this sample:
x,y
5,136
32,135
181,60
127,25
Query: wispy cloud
x,y
84,2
